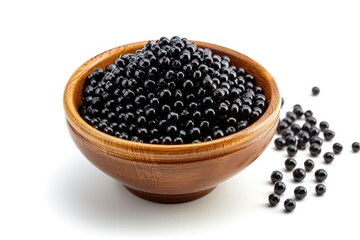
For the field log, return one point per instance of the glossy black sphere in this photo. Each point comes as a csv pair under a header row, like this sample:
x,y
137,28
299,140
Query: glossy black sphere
x,y
308,113
315,91
309,165
337,148
296,128
276,176
279,143
282,125
300,192
320,189
321,175
290,164
290,139
274,199
314,131
291,115
303,136
298,112
328,157
279,188
287,133
329,134
299,174
291,150
323,125
289,205
355,147
315,149
306,127
312,120
317,140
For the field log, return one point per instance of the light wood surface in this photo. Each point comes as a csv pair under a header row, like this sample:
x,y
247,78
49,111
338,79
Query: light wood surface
x,y
171,173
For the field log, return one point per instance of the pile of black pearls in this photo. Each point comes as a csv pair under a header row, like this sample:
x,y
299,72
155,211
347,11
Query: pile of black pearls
x,y
294,137
171,92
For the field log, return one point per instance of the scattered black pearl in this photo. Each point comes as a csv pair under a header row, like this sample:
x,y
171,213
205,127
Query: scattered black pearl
x,y
315,91
329,134
304,136
301,145
316,140
309,165
321,175
274,199
315,149
312,120
300,192
314,131
164,86
298,111
308,113
328,157
299,174
296,128
320,189
337,148
279,188
282,125
306,127
279,143
290,164
323,125
288,120
289,205
286,133
291,150
291,115
290,139
276,176
355,146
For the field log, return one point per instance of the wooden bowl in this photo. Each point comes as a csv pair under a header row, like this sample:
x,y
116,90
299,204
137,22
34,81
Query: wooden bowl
x,y
171,173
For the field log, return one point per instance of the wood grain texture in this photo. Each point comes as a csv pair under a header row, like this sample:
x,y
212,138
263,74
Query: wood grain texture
x,y
171,173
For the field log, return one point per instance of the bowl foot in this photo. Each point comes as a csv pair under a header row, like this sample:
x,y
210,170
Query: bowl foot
x,y
169,198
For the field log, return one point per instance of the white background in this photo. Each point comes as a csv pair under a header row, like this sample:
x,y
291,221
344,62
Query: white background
x,y
50,191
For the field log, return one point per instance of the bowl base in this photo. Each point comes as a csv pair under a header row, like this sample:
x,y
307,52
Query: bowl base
x,y
169,199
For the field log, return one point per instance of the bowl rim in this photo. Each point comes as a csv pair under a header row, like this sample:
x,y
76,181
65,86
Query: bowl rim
x,y
80,125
